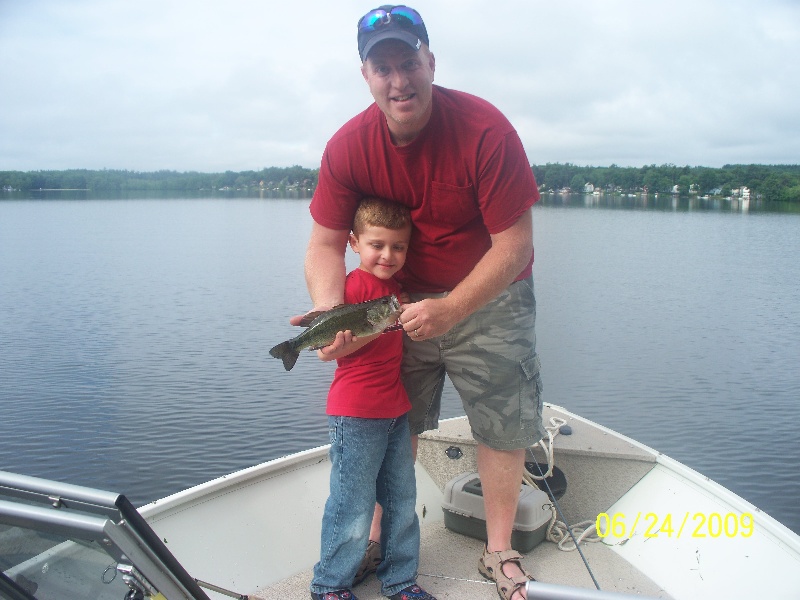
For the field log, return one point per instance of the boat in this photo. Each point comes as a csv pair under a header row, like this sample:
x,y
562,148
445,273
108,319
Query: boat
x,y
625,521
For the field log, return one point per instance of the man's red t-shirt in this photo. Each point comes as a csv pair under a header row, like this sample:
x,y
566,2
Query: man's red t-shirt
x,y
367,382
464,177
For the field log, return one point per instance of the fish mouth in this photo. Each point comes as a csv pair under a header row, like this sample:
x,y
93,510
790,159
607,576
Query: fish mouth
x,y
394,303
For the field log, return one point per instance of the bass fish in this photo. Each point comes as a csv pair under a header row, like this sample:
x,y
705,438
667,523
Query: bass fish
x,y
365,318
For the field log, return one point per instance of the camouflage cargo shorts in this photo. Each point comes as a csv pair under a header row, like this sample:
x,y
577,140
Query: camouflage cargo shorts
x,y
490,357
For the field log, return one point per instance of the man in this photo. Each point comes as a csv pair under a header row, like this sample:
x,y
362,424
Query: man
x,y
459,166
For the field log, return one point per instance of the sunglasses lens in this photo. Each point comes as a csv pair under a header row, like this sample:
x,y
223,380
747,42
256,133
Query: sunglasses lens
x,y
407,13
374,19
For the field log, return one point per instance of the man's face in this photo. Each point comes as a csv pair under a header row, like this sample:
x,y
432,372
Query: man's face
x,y
401,82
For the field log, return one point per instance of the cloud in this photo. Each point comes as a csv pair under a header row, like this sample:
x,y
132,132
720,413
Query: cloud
x,y
242,85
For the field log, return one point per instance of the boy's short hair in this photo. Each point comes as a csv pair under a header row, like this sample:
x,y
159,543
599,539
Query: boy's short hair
x,y
378,212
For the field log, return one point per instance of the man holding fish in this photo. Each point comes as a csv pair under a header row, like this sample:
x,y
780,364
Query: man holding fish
x,y
457,163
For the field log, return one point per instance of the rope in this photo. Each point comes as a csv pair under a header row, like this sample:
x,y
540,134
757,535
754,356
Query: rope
x,y
565,536
558,532
552,432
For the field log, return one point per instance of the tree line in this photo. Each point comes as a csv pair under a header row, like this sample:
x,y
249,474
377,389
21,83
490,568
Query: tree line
x,y
780,183
107,180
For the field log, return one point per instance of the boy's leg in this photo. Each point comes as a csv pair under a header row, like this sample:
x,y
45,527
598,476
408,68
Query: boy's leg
x,y
397,493
357,450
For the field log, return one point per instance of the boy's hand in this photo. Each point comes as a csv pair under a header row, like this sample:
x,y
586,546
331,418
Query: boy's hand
x,y
343,338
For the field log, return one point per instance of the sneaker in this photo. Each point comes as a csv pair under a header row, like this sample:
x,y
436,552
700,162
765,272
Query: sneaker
x,y
412,592
337,595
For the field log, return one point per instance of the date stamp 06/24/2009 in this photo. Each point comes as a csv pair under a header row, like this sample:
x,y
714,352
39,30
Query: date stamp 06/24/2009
x,y
688,524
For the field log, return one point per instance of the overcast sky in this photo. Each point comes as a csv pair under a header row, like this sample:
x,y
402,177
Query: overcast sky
x,y
246,84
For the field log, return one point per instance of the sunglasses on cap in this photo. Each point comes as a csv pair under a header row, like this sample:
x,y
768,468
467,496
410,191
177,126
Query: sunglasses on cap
x,y
375,19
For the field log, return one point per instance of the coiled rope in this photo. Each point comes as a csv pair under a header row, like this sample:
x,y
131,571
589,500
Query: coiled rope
x,y
567,537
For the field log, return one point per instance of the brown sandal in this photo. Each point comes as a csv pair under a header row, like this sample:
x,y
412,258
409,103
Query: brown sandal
x,y
369,564
490,566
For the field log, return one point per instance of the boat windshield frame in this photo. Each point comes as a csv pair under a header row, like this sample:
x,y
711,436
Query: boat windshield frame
x,y
96,521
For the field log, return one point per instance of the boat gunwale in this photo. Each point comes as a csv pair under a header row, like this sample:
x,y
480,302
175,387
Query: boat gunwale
x,y
229,483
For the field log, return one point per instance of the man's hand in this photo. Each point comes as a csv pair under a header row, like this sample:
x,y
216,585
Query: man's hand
x,y
510,251
428,318
298,319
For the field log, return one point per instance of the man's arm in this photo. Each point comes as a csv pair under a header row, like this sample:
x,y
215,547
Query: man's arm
x,y
325,267
503,262
325,274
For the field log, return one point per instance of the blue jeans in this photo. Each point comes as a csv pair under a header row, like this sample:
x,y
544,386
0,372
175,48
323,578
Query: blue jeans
x,y
371,461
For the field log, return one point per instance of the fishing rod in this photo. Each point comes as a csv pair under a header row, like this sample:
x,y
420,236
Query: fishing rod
x,y
560,512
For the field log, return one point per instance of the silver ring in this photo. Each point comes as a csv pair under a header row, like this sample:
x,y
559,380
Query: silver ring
x,y
416,332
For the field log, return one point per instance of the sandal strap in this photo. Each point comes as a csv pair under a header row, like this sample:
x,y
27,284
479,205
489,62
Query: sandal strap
x,y
496,560
520,579
508,593
491,564
369,563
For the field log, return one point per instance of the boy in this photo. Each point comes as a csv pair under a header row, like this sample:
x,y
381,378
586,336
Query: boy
x,y
370,441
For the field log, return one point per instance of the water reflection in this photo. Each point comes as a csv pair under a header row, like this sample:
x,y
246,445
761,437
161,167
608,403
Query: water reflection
x,y
629,201
287,193
667,202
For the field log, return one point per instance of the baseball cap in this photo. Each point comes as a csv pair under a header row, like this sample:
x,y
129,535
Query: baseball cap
x,y
390,22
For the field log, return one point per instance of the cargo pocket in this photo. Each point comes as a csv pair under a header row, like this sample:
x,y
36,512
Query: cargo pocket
x,y
530,394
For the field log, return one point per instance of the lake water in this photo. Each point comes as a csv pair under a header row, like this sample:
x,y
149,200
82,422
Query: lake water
x,y
134,338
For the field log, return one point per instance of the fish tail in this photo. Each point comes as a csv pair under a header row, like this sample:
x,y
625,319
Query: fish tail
x,y
287,353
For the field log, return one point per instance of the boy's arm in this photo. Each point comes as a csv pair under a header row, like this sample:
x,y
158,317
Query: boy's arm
x,y
356,344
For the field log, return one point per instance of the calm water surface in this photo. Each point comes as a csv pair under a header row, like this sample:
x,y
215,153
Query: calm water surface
x,y
134,338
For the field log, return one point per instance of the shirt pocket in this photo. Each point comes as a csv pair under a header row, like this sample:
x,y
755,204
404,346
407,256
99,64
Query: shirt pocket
x,y
453,206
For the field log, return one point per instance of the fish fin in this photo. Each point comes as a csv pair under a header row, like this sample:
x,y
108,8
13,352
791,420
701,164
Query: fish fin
x,y
309,318
286,352
289,360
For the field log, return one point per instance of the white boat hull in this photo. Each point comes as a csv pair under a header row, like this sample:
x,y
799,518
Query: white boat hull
x,y
258,529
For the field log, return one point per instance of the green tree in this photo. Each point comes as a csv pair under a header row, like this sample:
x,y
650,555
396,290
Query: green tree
x,y
707,179
684,184
577,183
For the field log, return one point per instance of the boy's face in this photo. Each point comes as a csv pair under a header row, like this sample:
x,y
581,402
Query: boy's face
x,y
382,251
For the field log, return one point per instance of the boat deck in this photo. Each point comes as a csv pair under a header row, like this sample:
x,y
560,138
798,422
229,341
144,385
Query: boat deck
x,y
448,570
600,468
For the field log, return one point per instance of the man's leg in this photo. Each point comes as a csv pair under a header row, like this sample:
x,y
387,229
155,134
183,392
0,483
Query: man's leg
x,y
501,476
